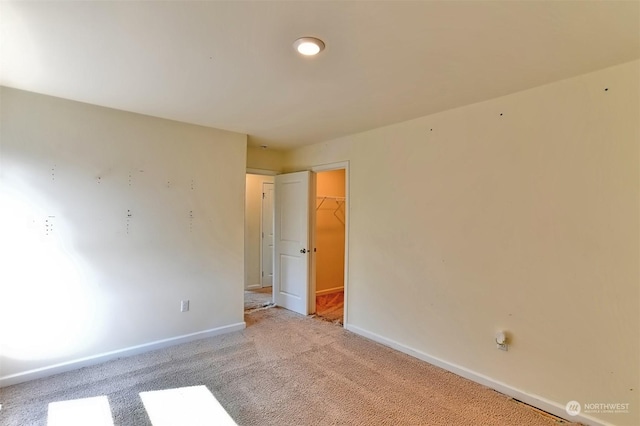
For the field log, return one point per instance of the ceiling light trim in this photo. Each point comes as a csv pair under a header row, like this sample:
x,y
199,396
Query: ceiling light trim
x,y
308,46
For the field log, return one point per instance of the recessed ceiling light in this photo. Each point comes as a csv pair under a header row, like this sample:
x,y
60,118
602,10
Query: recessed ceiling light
x,y
308,46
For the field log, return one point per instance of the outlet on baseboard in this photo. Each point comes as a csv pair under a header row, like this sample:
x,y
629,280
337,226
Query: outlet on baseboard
x,y
184,306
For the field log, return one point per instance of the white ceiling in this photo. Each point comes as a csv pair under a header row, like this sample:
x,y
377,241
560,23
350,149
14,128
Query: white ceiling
x,y
231,65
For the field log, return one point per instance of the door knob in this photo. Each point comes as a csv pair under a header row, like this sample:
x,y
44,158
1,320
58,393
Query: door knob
x,y
303,251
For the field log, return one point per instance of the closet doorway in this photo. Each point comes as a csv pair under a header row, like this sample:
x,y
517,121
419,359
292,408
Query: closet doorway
x,y
329,236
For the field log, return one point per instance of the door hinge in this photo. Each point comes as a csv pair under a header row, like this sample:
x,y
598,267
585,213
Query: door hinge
x,y
263,273
263,195
263,235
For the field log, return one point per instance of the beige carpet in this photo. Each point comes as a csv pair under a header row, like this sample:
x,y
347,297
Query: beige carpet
x,y
258,298
284,369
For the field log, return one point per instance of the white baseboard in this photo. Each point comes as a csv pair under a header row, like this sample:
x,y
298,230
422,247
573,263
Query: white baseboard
x,y
253,286
50,370
552,407
329,291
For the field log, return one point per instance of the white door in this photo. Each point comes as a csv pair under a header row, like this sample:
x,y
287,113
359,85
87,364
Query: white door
x,y
266,279
291,241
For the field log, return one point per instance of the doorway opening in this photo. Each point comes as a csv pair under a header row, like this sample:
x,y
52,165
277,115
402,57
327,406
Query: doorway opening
x,y
258,258
310,242
329,237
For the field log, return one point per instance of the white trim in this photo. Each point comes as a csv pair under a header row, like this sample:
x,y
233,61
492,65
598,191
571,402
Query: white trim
x,y
50,370
312,280
331,166
329,291
273,215
347,230
263,172
347,226
253,287
549,406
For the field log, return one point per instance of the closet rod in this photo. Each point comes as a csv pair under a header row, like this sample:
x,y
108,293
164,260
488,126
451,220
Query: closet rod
x,y
339,200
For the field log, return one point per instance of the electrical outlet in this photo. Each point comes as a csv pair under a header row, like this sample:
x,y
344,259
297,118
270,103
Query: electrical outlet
x,y
184,306
502,346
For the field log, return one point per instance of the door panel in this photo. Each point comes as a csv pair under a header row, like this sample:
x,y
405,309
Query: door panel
x,y
291,268
290,220
291,242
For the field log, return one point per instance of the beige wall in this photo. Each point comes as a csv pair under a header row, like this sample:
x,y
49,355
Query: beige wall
x,y
519,214
330,230
264,159
109,220
252,229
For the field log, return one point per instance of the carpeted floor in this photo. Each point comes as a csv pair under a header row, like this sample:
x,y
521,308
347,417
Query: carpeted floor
x,y
258,298
330,307
284,369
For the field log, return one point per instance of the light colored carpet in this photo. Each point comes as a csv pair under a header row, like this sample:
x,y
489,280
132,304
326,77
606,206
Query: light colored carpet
x,y
284,369
258,298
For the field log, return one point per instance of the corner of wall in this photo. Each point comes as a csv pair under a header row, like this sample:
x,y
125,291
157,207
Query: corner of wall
x,y
265,159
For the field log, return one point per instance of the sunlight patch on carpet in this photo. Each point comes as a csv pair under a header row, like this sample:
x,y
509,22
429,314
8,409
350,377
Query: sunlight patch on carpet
x,y
188,406
80,412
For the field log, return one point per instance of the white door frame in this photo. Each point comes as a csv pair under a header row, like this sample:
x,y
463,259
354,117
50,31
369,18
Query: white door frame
x,y
262,172
262,251
312,285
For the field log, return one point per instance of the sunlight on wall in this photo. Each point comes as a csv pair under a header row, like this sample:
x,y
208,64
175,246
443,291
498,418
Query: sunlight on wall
x,y
22,58
47,309
80,412
193,405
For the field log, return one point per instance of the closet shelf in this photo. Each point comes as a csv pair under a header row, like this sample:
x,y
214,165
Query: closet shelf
x,y
329,197
340,201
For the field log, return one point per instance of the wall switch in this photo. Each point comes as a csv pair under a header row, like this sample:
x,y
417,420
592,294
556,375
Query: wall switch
x,y
501,341
184,306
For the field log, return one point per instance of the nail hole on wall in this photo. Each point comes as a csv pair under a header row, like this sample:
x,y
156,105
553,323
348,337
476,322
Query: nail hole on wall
x,y
606,89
